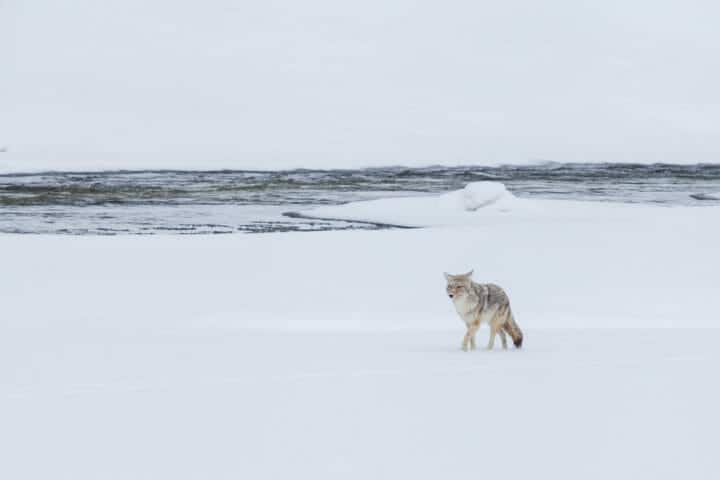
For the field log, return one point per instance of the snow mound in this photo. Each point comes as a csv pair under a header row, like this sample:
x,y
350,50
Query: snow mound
x,y
481,194
461,207
478,204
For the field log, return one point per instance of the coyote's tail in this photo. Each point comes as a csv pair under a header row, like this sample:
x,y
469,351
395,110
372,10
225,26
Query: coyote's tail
x,y
513,330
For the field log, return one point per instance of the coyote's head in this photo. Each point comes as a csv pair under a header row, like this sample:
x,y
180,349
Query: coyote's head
x,y
458,285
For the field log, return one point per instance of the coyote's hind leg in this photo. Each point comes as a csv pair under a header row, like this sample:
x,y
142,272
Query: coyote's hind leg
x,y
503,338
493,332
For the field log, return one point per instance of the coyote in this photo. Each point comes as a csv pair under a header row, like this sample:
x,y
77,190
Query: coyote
x,y
482,302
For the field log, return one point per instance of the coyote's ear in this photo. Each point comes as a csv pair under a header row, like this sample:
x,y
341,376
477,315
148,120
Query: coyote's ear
x,y
469,274
447,276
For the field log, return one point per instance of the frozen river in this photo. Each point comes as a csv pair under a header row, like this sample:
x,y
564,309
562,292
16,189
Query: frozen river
x,y
194,202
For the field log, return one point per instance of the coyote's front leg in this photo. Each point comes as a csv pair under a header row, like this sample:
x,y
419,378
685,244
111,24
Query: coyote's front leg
x,y
472,331
468,339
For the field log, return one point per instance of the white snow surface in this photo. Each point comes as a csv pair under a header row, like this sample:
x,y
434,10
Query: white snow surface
x,y
336,354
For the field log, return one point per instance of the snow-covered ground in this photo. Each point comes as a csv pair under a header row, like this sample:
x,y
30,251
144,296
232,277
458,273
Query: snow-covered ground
x,y
336,354
486,204
179,403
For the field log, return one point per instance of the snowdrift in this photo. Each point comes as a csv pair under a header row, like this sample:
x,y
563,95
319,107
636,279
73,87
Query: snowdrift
x,y
478,204
453,208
